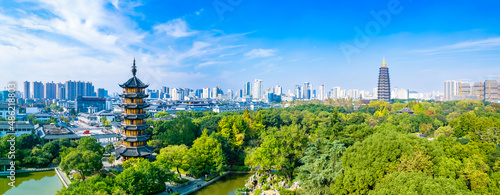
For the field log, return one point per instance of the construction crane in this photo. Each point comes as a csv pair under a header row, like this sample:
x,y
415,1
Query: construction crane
x,y
497,87
461,85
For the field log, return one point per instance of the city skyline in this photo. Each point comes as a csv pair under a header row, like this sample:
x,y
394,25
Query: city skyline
x,y
199,45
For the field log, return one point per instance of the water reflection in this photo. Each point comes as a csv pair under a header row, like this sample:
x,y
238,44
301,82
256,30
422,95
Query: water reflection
x,y
226,185
39,183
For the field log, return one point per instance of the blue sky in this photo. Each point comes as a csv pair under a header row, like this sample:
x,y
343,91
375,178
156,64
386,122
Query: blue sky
x,y
225,43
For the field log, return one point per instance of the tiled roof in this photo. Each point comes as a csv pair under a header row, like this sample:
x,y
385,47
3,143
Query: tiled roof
x,y
134,82
134,152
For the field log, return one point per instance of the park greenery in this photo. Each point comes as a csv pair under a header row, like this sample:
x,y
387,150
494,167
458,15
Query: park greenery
x,y
328,147
346,147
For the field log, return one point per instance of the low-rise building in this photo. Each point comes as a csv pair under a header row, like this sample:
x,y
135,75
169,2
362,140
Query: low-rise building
x,y
89,119
20,127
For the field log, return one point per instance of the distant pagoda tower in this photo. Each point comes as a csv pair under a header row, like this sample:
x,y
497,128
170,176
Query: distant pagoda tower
x,y
384,84
134,137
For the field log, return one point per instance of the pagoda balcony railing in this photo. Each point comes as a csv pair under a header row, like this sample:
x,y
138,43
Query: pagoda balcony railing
x,y
133,101
134,105
123,123
138,135
133,90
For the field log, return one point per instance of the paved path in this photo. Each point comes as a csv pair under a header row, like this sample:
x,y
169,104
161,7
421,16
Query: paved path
x,y
192,186
62,176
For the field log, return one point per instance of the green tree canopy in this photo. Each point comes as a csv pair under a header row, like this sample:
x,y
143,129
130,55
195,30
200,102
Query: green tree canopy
x,y
206,156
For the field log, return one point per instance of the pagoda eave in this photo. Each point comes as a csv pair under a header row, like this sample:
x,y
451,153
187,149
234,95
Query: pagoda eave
x,y
134,151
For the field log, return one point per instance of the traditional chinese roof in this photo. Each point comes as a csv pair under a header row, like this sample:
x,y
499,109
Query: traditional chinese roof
x,y
134,82
135,139
407,110
134,151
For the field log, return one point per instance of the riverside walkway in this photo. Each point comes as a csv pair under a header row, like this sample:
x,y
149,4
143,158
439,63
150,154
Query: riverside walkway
x,y
62,176
28,170
192,186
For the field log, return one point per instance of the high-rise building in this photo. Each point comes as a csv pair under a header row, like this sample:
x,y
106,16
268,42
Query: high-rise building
x,y
258,89
298,92
134,139
26,92
60,91
384,84
491,91
335,93
70,87
165,90
240,93
89,89
450,90
247,89
278,90
206,93
217,92
306,91
322,94
50,91
37,90
80,88
102,93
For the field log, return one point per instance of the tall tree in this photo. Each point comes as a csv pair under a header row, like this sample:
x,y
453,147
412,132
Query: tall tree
x,y
322,164
174,156
82,161
206,156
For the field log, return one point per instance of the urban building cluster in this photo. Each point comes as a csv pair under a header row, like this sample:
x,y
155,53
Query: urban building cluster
x,y
485,90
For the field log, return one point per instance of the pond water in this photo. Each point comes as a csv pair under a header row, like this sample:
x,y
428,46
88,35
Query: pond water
x,y
226,185
39,183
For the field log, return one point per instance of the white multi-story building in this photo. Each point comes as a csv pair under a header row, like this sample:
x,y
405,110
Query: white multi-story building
x,y
451,89
321,94
258,89
206,93
278,90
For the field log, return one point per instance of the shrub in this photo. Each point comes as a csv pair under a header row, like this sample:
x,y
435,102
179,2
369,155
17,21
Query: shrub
x,y
77,176
181,181
261,179
257,191
210,178
265,187
286,192
241,191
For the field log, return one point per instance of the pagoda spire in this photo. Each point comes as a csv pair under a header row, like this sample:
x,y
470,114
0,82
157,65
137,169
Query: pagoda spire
x,y
383,62
134,69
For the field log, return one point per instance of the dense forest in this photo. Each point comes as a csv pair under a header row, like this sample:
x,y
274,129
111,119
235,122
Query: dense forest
x,y
370,148
331,147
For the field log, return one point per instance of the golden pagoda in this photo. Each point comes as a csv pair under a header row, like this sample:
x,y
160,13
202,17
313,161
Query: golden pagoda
x,y
133,135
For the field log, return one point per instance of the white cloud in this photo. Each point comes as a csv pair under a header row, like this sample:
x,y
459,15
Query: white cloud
x,y
175,28
96,41
260,53
478,45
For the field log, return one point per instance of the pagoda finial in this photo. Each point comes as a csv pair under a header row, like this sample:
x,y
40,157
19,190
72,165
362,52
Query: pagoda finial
x,y
383,63
134,70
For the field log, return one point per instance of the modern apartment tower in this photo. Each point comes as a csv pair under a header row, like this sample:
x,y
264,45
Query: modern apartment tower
x,y
384,84
26,92
134,126
247,89
258,89
306,91
450,89
37,90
